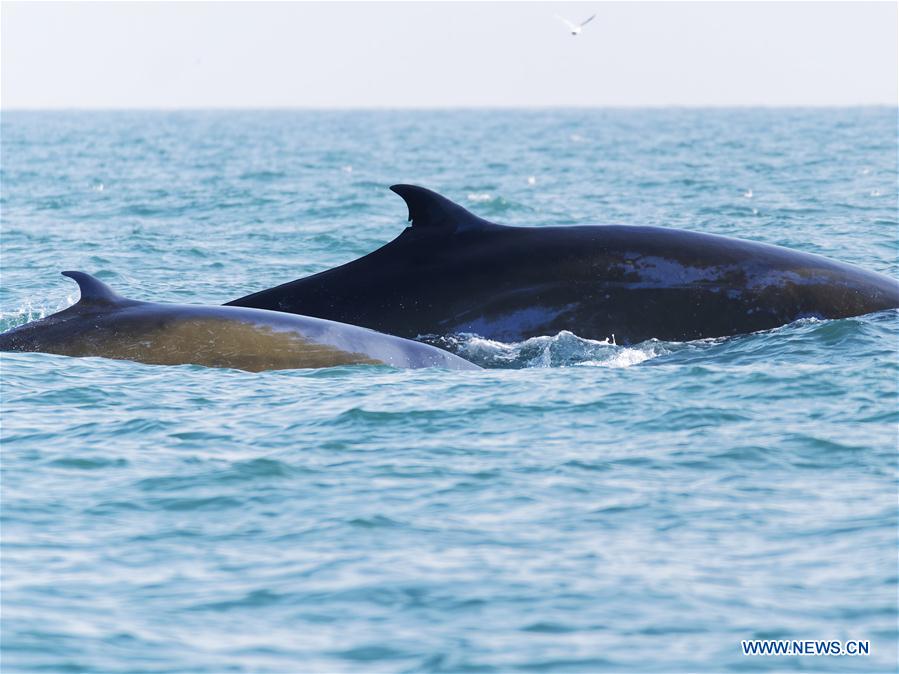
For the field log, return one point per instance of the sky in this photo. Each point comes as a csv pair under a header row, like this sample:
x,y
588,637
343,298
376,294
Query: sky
x,y
451,54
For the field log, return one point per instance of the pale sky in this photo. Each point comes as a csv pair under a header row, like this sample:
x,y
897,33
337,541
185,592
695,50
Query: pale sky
x,y
451,54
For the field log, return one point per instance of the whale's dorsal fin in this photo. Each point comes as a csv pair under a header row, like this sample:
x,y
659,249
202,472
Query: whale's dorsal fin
x,y
93,290
430,210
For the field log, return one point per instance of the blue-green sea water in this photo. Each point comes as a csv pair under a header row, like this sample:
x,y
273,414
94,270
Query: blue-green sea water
x,y
579,506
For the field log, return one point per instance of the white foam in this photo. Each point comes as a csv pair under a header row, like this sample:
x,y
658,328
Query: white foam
x,y
625,357
561,350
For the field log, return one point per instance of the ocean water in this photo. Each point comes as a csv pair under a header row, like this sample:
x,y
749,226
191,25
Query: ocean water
x,y
576,507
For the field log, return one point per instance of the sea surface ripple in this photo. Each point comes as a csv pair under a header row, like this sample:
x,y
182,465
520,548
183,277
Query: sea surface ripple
x,y
579,506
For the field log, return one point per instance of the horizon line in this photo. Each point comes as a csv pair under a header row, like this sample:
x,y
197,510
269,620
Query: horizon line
x,y
454,108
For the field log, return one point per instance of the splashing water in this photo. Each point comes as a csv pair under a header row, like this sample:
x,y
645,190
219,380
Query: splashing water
x,y
562,350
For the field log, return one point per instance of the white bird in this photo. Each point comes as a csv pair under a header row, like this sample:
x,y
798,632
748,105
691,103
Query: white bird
x,y
574,27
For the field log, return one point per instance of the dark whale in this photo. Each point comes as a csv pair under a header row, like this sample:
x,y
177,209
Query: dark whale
x,y
453,272
104,324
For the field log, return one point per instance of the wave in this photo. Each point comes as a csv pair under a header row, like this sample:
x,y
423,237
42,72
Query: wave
x,y
562,350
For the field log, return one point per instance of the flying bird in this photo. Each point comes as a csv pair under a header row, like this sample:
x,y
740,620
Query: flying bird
x,y
574,27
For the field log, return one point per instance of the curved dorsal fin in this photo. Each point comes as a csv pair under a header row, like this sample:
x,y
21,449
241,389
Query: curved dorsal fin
x,y
93,290
431,210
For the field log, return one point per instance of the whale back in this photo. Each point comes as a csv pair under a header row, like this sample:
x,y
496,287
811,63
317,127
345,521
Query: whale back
x,y
452,272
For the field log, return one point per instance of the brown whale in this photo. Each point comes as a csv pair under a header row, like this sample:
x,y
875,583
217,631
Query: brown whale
x,y
107,325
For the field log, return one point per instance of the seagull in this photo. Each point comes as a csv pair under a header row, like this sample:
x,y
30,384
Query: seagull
x,y
573,27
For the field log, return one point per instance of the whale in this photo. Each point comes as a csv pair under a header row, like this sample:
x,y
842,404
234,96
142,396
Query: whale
x,y
452,272
105,324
